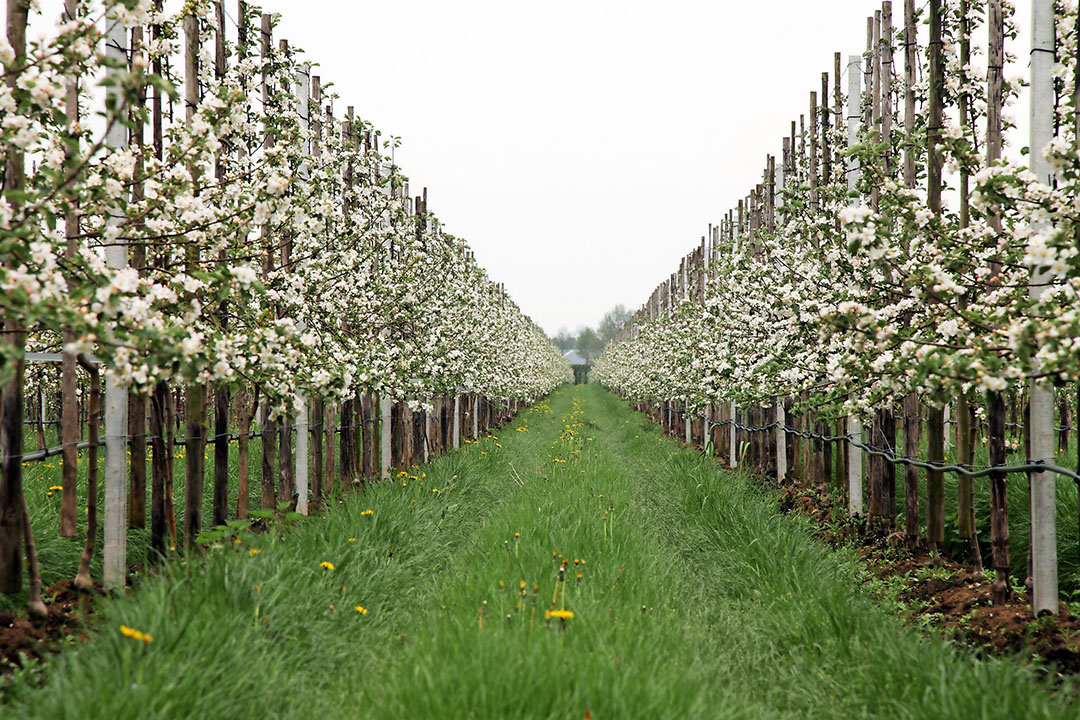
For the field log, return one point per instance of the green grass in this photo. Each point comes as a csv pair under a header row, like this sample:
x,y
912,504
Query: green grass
x,y
58,557
696,600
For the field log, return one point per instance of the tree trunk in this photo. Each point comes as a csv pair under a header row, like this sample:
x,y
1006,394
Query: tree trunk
x,y
267,500
347,451
911,474
194,462
83,581
137,477
159,467
999,499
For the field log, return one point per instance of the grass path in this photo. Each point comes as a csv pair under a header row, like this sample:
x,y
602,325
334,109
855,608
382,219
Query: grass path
x,y
695,599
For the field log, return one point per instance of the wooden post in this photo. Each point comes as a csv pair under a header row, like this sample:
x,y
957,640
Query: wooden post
x,y
367,434
838,110
935,520
221,393
137,400
813,151
244,413
826,159
161,518
329,469
1043,510
965,505
269,426
886,78
69,428
1076,238
475,418
195,393
11,405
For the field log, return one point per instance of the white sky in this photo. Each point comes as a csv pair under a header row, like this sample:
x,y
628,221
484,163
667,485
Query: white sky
x,y
581,147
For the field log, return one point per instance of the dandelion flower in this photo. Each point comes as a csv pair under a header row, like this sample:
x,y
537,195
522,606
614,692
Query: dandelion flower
x,y
326,565
361,609
136,635
352,539
561,614
253,552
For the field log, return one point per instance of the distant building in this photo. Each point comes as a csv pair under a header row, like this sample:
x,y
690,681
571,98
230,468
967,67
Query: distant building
x,y
579,364
574,357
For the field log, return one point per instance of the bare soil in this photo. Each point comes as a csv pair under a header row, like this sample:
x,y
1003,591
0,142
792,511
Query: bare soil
x,y
942,596
21,637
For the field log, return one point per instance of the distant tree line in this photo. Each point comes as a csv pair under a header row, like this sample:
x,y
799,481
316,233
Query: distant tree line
x,y
589,342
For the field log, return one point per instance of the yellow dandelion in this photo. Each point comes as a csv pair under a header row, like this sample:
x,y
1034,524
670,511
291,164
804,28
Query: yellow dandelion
x,y
136,635
253,552
561,614
352,539
361,609
54,488
326,565
367,512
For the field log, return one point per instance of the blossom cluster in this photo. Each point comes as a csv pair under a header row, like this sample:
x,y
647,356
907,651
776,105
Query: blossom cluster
x,y
856,297
270,241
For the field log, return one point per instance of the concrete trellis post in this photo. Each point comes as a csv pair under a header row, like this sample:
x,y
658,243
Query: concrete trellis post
x,y
1043,512
781,442
116,256
706,440
427,435
854,425
303,93
457,421
302,456
385,408
732,459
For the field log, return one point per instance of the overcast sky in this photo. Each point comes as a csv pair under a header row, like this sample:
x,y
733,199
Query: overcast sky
x,y
580,146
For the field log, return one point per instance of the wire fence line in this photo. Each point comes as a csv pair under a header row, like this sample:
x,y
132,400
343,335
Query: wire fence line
x,y
973,471
313,429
